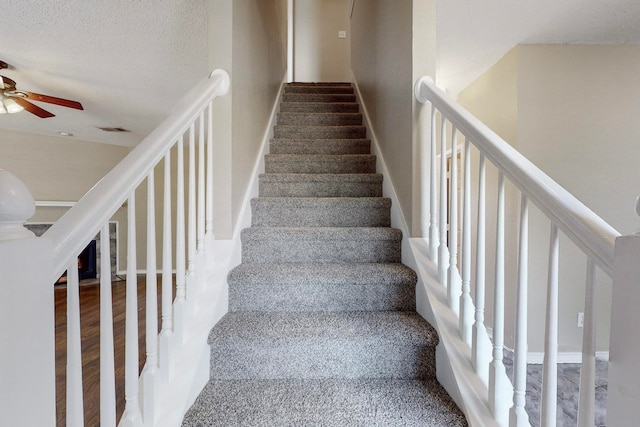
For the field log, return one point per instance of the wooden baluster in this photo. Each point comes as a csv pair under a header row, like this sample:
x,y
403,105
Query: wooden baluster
x,y
433,191
181,290
480,344
167,276
443,252
518,414
75,394
587,400
466,303
191,212
209,211
550,369
150,370
454,284
201,189
499,393
131,416
107,368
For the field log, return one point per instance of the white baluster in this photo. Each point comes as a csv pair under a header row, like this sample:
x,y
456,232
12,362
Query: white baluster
x,y
550,369
209,212
454,284
131,416
466,304
443,252
518,414
150,370
587,405
423,164
191,212
499,393
75,409
480,344
181,293
167,275
433,191
201,192
107,368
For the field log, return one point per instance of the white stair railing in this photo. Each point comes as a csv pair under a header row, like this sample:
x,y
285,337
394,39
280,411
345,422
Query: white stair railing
x,y
73,231
589,233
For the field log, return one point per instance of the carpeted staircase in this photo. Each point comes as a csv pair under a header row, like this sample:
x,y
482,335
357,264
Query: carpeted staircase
x,y
322,328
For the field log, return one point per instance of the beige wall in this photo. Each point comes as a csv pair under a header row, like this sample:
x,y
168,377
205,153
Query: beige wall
x,y
319,55
381,46
56,168
59,169
248,39
575,116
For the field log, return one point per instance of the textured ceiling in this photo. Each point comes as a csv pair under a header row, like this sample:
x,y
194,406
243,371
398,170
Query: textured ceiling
x,y
474,35
126,61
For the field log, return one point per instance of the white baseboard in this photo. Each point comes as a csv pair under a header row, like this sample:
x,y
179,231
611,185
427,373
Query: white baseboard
x,y
537,358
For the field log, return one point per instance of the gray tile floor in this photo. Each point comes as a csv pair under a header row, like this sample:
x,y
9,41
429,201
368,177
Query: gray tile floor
x,y
568,392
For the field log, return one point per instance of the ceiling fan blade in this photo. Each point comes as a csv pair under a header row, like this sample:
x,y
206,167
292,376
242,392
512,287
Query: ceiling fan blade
x,y
33,109
8,83
53,100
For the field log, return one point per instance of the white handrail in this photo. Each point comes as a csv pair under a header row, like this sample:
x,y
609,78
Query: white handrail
x,y
587,230
590,234
77,227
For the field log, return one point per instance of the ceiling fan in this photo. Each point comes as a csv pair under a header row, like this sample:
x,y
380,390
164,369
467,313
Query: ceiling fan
x,y
13,100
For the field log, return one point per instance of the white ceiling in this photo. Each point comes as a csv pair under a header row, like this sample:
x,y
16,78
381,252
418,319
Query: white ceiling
x,y
126,61
474,35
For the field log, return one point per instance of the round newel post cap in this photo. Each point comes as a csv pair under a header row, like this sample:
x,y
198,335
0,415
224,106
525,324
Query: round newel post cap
x,y
16,207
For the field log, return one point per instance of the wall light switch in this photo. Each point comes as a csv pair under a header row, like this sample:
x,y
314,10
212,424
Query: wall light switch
x,y
342,34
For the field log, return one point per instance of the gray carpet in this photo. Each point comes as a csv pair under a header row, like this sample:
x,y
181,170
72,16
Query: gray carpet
x,y
322,328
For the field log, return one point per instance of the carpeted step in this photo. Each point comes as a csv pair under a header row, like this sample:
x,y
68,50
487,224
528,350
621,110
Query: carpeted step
x,y
319,107
321,212
316,84
321,244
318,97
321,287
320,146
330,132
320,185
327,403
328,88
319,119
319,163
312,345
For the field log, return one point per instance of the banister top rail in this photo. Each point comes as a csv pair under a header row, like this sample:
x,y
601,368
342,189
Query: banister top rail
x,y
586,229
71,233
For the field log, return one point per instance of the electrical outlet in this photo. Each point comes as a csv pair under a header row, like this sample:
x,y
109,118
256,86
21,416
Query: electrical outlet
x,y
342,34
580,320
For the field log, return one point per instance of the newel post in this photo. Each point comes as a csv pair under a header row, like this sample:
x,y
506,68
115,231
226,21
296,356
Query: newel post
x,y
624,346
27,344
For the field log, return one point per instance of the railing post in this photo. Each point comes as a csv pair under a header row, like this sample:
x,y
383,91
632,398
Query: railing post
x,y
27,361
624,347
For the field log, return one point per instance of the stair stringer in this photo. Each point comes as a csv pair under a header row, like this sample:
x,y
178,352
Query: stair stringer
x,y
453,356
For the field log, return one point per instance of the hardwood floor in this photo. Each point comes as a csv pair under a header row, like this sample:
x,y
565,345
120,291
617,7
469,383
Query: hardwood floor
x,y
90,333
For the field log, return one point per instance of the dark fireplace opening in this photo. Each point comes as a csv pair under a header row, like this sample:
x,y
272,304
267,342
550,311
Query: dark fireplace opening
x,y
87,262
87,268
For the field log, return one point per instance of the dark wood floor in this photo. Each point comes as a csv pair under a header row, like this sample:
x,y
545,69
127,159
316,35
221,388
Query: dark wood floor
x,y
90,332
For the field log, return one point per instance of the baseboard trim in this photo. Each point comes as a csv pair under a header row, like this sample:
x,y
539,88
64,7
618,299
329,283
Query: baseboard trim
x,y
537,358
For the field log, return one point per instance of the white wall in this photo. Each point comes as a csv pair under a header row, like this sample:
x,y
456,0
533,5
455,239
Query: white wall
x,y
319,55
576,116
